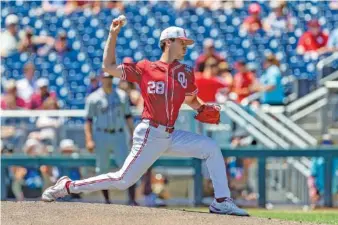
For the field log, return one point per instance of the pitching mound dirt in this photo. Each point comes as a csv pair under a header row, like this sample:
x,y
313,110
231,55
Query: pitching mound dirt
x,y
84,213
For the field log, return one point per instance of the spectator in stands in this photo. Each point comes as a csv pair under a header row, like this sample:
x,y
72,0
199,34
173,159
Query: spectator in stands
x,y
94,83
30,43
68,147
53,5
11,132
27,85
240,169
316,180
9,38
47,126
252,67
253,22
114,5
332,44
28,181
313,40
226,78
43,94
334,4
270,83
61,45
71,6
243,82
207,82
278,21
209,53
225,75
10,100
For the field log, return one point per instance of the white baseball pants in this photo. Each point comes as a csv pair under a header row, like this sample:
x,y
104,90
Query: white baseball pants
x,y
149,143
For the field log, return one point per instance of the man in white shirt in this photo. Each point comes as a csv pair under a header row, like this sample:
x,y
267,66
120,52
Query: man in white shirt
x,y
9,36
27,85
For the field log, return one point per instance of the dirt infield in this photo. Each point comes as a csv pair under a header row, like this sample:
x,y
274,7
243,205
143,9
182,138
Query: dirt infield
x,y
85,213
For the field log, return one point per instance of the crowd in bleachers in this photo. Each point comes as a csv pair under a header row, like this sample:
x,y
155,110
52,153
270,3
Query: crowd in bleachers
x,y
51,52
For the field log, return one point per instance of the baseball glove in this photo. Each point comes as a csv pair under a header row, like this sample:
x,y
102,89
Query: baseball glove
x,y
209,114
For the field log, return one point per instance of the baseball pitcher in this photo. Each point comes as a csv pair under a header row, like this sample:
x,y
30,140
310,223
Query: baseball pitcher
x,y
165,85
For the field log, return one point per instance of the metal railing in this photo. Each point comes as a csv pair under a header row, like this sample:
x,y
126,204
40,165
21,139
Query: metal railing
x,y
261,154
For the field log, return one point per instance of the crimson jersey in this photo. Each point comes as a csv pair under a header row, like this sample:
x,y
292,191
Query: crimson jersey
x,y
163,87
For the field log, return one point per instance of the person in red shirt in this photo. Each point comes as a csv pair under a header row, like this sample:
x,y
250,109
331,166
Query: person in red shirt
x,y
243,81
209,53
10,100
165,84
253,22
208,83
41,95
313,40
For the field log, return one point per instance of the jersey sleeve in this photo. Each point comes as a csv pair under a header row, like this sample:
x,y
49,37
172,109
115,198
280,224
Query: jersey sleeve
x,y
89,108
191,85
132,72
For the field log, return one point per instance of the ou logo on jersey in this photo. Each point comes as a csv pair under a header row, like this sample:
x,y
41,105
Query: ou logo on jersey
x,y
182,79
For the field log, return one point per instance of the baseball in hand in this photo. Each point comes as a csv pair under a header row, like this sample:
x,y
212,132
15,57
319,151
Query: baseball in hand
x,y
121,18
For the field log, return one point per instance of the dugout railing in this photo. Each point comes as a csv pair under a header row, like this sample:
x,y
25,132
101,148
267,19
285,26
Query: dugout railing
x,y
329,155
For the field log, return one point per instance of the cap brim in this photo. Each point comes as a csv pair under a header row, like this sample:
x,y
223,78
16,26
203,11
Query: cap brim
x,y
187,40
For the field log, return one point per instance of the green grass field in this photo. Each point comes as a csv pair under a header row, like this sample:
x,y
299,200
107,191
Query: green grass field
x,y
316,216
329,216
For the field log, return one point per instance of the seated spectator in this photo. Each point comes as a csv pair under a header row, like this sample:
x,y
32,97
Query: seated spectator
x,y
43,94
11,132
9,36
332,44
27,85
71,6
207,82
28,181
278,21
31,43
316,181
94,84
313,40
68,147
225,75
209,53
53,5
270,83
253,22
10,100
334,4
243,82
61,45
113,5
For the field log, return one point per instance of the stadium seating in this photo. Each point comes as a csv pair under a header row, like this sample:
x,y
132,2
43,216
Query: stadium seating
x,y
139,39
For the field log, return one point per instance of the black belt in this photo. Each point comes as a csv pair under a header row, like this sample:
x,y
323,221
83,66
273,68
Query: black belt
x,y
155,124
110,131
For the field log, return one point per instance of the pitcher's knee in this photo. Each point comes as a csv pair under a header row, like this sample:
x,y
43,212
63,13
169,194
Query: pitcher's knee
x,y
212,145
210,148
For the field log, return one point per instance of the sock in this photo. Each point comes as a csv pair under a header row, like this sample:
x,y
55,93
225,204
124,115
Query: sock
x,y
67,186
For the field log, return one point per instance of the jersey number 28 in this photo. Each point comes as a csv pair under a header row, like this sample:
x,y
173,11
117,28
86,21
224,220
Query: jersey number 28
x,y
156,87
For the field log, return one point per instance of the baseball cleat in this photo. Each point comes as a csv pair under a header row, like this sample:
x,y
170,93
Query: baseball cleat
x,y
59,190
226,207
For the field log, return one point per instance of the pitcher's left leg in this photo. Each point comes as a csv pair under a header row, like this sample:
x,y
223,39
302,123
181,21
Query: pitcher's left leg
x,y
197,146
194,145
